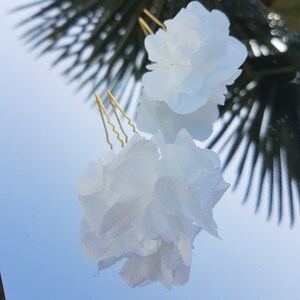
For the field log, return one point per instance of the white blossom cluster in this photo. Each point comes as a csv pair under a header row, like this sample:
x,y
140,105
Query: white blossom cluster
x,y
193,61
147,203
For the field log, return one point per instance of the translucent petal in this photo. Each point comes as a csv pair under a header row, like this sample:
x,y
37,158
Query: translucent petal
x,y
134,273
118,218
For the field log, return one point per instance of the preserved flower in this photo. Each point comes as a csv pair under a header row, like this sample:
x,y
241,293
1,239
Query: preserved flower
x,y
193,60
147,203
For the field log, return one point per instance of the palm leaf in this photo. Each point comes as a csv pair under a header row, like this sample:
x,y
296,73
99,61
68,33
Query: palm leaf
x,y
2,295
101,37
264,106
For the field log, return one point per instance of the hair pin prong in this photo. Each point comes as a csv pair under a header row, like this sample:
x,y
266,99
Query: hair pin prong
x,y
102,110
144,25
113,99
112,103
154,19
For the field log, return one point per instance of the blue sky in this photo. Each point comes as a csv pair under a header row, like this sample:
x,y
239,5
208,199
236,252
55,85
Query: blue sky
x,y
48,135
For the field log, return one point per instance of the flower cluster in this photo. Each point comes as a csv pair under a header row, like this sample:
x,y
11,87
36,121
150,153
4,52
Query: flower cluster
x,y
193,61
147,203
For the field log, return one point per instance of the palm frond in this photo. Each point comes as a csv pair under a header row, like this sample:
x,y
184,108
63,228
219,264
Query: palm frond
x,y
2,295
101,37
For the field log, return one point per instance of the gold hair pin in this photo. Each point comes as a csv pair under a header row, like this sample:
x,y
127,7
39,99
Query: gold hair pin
x,y
144,25
103,112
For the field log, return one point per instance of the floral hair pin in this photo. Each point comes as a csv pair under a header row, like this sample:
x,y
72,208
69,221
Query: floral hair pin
x,y
195,58
103,112
144,25
167,185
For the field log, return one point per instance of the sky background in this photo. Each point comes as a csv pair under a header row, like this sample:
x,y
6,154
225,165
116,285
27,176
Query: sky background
x,y
48,135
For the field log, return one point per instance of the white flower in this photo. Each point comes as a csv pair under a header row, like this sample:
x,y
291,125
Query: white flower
x,y
165,266
116,188
153,116
193,60
147,204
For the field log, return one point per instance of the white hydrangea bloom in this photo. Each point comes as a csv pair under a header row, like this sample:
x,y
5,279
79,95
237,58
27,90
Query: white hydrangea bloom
x,y
153,116
193,60
147,204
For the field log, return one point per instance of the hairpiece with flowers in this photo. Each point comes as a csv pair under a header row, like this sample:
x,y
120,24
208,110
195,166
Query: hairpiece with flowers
x,y
147,202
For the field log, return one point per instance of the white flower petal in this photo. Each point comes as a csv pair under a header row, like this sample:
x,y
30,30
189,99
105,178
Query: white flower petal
x,y
153,116
160,47
184,246
134,272
181,274
92,246
219,22
118,218
91,181
106,263
196,8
